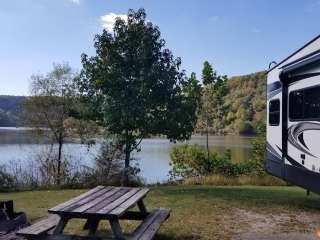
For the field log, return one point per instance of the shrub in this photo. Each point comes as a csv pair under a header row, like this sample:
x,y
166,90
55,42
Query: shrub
x,y
109,164
7,182
193,161
259,149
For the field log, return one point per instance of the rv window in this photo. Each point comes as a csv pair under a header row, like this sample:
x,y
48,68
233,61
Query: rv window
x,y
304,104
296,105
274,112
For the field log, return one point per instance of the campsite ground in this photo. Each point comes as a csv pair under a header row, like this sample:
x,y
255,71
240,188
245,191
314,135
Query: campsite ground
x,y
208,212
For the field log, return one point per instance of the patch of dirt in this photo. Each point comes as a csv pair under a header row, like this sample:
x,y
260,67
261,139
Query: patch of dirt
x,y
272,226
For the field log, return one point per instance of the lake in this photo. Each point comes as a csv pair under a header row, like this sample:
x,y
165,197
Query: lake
x,y
19,145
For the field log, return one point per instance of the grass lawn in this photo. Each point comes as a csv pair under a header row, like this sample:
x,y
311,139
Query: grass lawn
x,y
205,212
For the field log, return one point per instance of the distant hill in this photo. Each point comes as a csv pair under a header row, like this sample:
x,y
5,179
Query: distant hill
x,y
243,107
246,102
10,110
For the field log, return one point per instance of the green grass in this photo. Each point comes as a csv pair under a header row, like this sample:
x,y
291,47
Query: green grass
x,y
198,212
221,180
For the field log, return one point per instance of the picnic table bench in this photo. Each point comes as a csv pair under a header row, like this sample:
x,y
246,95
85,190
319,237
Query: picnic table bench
x,y
100,203
10,221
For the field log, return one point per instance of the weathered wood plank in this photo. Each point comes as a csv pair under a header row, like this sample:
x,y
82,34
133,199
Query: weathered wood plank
x,y
144,225
118,201
85,200
96,201
11,236
109,200
40,227
150,226
155,225
130,202
73,200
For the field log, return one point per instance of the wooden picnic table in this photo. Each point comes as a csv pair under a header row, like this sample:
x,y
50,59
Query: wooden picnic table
x,y
102,203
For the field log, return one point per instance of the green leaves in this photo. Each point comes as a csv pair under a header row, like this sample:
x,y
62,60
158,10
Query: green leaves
x,y
139,86
192,161
208,75
142,89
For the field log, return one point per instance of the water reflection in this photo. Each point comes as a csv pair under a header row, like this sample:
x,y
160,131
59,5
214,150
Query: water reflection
x,y
154,159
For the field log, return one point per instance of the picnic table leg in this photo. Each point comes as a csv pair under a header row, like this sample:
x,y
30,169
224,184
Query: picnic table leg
x,y
142,206
61,225
116,229
88,223
91,225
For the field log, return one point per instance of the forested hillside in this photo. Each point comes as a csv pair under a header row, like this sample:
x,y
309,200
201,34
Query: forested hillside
x,y
242,109
10,109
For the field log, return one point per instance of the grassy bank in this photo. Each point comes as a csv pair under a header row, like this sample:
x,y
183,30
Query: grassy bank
x,y
205,212
221,180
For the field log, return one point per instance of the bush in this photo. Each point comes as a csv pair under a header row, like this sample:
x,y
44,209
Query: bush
x,y
259,149
109,164
193,161
7,182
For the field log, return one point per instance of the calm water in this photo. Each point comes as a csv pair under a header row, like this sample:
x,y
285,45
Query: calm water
x,y
19,145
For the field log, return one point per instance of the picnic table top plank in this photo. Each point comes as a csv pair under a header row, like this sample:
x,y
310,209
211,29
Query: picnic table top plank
x,y
118,201
112,198
86,200
120,209
105,201
101,199
73,200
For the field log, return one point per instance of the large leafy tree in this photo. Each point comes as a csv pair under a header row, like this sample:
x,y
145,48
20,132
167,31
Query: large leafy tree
x,y
135,87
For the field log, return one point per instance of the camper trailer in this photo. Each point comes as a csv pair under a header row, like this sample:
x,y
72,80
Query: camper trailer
x,y
293,118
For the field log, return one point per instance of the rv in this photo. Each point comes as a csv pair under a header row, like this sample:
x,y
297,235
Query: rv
x,y
293,118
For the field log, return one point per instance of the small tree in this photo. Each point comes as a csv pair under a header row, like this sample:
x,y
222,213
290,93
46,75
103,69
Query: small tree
x,y
50,104
208,75
135,86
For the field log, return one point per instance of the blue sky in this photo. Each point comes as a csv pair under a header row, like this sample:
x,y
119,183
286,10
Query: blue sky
x,y
236,36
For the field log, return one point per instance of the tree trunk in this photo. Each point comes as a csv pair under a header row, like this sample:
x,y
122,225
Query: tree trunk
x,y
208,143
58,180
125,174
207,116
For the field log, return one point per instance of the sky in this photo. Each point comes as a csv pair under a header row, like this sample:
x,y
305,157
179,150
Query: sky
x,y
236,36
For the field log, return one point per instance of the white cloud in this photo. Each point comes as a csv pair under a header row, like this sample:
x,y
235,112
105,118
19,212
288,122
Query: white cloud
x,y
108,20
75,1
